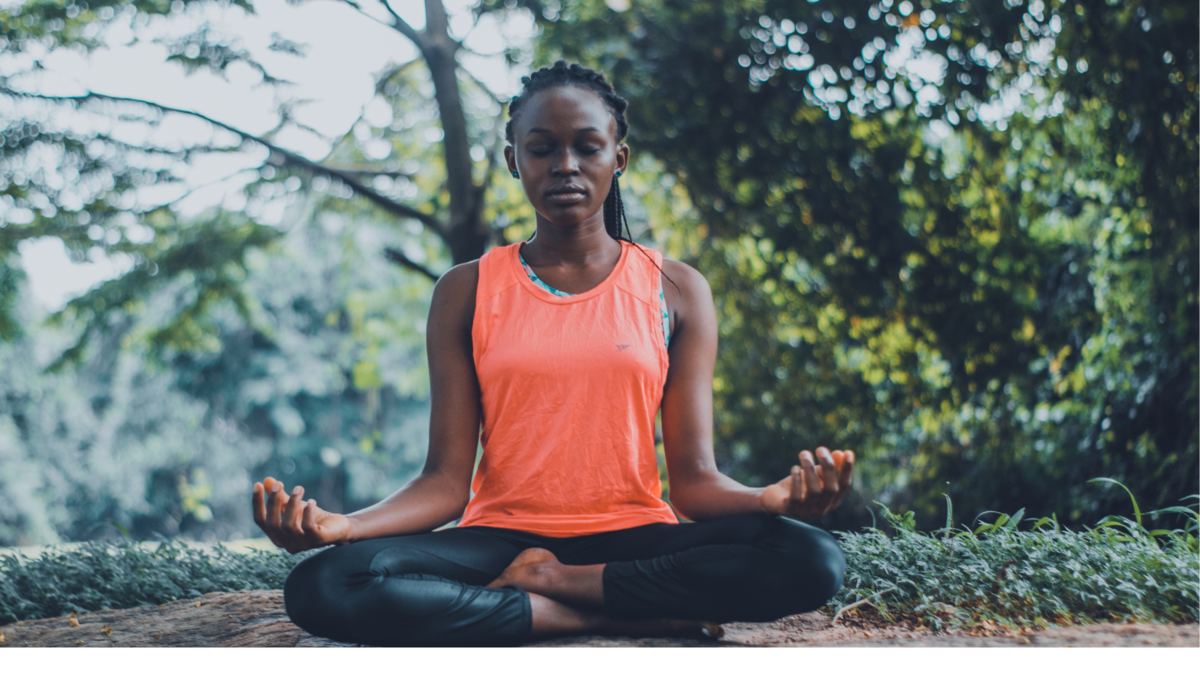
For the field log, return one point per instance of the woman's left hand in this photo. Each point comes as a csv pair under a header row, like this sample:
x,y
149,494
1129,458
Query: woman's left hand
x,y
811,491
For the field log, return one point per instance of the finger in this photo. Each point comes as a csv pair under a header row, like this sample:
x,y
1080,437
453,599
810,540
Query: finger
x,y
844,478
275,505
801,491
258,505
292,514
259,508
829,476
808,469
309,522
812,483
262,512
795,488
847,473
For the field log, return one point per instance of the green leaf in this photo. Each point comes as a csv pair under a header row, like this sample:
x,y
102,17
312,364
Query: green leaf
x,y
1137,513
949,514
1015,520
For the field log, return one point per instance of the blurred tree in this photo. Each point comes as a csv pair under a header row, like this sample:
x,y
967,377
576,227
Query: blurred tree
x,y
305,361
959,237
69,169
333,396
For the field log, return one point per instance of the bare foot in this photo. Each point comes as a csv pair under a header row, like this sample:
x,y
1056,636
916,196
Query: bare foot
x,y
525,570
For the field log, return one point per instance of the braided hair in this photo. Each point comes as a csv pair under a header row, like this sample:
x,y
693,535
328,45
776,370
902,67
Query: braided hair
x,y
562,74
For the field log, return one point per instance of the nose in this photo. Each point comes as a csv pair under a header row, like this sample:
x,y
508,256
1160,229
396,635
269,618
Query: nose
x,y
566,163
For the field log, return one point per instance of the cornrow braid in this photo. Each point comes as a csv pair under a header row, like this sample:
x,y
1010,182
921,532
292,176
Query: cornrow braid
x,y
562,74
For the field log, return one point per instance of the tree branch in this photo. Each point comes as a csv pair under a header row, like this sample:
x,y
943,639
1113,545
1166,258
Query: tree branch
x,y
383,79
437,22
402,25
371,172
398,257
468,236
398,23
479,83
288,158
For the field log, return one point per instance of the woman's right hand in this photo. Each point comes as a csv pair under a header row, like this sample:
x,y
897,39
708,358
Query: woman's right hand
x,y
294,524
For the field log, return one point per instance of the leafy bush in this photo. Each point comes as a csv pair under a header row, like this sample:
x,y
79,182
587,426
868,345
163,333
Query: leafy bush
x,y
945,579
952,578
106,575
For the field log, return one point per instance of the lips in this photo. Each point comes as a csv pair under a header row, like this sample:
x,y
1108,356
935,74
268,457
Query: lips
x,y
565,191
565,194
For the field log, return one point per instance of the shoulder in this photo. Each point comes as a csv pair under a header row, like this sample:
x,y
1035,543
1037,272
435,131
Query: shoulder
x,y
459,280
459,276
685,283
689,299
454,294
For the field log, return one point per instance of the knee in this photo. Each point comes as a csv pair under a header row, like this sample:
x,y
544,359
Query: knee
x,y
828,563
817,560
308,595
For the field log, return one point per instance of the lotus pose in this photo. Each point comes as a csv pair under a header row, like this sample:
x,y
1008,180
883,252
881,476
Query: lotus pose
x,y
563,350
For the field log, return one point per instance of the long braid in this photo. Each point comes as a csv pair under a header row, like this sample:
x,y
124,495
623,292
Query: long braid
x,y
613,210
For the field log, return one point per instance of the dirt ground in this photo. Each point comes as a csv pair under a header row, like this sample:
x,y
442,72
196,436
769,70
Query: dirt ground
x,y
257,619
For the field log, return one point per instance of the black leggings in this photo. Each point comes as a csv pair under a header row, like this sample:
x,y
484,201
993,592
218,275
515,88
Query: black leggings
x,y
428,589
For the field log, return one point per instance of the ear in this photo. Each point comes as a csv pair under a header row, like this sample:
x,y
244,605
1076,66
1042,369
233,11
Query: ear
x,y
622,157
510,158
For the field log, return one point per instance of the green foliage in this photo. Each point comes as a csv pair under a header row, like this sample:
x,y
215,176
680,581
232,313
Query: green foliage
x,y
983,281
161,441
98,576
1047,574
109,441
68,169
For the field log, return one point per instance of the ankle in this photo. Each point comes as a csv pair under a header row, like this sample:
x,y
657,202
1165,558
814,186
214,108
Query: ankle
x,y
543,576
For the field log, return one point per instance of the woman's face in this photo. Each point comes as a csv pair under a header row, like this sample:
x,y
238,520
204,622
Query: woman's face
x,y
566,151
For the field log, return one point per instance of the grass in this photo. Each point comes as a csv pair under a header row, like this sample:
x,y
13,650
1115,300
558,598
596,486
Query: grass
x,y
119,575
999,574
951,578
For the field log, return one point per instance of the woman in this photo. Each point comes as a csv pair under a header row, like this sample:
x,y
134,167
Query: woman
x,y
565,348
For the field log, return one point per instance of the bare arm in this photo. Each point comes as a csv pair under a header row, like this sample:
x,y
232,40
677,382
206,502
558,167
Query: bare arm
x,y
440,493
698,489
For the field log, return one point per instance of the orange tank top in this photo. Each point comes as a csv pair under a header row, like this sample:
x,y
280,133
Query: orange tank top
x,y
570,388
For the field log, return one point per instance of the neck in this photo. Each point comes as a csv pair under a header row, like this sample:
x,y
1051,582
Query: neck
x,y
581,245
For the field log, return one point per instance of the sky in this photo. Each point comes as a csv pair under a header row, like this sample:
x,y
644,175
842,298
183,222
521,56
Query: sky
x,y
344,50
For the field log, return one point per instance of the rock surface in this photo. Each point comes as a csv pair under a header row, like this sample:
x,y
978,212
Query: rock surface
x,y
257,619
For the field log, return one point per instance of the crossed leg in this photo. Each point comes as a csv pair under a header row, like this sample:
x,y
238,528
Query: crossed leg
x,y
569,600
483,586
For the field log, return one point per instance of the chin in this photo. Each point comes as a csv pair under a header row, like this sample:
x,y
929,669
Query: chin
x,y
567,217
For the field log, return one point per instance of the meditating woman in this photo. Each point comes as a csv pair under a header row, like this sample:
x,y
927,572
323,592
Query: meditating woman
x,y
564,349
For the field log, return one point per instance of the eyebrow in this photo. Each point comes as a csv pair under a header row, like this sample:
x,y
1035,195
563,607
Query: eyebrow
x,y
539,130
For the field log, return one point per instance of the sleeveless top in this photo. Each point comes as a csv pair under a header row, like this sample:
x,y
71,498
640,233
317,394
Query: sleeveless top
x,y
662,299
570,387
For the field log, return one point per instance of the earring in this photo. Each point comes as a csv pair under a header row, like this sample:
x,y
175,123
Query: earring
x,y
618,173
516,175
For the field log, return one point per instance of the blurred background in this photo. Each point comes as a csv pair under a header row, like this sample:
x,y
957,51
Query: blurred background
x,y
958,237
